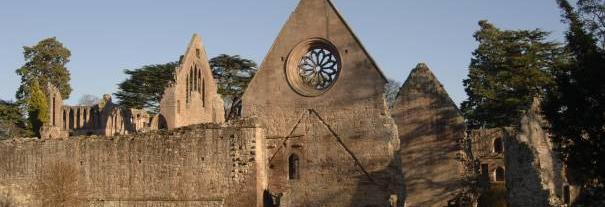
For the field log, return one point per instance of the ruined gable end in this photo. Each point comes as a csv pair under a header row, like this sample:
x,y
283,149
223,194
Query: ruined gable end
x,y
319,95
535,175
192,98
317,37
430,131
54,127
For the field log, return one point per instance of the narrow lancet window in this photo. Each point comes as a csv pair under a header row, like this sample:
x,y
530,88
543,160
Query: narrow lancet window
x,y
293,167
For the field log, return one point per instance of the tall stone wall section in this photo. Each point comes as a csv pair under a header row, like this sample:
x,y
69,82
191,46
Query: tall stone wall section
x,y
344,138
534,175
431,133
207,166
192,97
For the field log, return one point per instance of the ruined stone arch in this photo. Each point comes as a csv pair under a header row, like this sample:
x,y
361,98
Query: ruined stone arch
x,y
64,119
162,124
92,117
71,119
85,118
77,125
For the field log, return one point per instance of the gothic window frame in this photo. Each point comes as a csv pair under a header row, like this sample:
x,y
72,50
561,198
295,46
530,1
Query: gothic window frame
x,y
313,67
293,167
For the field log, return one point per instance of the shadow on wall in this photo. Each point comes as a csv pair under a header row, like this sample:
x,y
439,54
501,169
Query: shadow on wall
x,y
495,196
391,194
436,166
523,184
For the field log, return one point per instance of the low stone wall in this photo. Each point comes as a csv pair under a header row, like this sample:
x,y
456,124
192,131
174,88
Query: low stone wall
x,y
205,165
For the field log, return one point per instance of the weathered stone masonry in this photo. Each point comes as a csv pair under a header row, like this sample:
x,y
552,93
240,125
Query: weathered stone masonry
x,y
334,131
317,132
192,98
208,165
432,132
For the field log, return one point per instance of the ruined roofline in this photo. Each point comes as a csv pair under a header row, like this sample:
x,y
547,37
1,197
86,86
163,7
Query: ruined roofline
x,y
357,39
242,123
440,90
346,24
184,58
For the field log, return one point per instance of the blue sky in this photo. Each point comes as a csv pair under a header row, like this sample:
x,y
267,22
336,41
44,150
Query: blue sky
x,y
106,37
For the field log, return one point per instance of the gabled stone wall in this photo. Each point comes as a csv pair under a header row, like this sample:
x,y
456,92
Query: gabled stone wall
x,y
434,159
342,135
192,97
535,176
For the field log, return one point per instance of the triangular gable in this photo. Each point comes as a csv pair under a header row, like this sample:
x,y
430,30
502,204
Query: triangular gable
x,y
344,21
316,19
195,50
192,98
422,82
430,131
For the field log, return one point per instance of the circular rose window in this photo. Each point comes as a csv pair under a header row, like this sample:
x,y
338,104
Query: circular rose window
x,y
313,67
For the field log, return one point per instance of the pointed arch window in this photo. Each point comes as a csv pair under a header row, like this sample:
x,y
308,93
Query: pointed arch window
x,y
71,119
187,89
84,118
195,79
293,167
199,75
64,119
77,118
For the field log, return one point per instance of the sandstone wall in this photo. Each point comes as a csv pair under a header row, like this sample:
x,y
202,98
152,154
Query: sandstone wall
x,y
431,133
192,98
484,143
535,175
199,166
344,138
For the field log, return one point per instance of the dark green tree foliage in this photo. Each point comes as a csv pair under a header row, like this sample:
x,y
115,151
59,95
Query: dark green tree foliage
x,y
12,121
592,12
45,63
575,109
144,87
507,70
233,74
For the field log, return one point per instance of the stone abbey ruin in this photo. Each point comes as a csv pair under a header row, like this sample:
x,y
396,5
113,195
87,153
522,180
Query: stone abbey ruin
x,y
316,131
